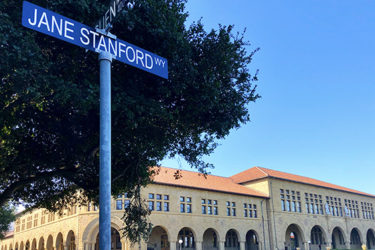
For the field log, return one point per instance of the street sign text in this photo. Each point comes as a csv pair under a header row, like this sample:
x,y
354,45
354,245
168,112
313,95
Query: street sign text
x,y
55,25
114,9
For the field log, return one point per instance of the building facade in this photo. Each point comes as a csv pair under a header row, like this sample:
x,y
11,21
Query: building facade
x,y
255,209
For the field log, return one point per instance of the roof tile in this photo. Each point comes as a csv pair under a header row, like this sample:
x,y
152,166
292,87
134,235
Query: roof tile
x,y
192,179
257,173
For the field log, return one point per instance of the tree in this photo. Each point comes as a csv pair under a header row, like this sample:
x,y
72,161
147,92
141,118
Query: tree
x,y
6,217
49,100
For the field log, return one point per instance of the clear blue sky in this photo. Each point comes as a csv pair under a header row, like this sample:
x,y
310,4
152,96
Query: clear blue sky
x,y
317,80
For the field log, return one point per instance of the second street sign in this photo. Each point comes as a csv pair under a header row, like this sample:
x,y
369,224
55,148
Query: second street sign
x,y
114,10
66,29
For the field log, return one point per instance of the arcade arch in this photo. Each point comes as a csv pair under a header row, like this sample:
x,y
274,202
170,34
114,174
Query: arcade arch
x,y
338,240
355,239
317,238
115,240
188,238
370,239
33,245
231,240
27,245
210,239
41,244
71,241
159,239
294,237
49,245
252,242
59,242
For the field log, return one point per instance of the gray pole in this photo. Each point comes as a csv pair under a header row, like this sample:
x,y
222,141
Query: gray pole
x,y
105,60
264,235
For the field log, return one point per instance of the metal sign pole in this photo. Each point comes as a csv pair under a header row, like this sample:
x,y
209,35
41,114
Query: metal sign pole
x,y
105,61
36,18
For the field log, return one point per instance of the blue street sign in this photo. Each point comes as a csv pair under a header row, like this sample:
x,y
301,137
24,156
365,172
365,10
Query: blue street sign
x,y
68,30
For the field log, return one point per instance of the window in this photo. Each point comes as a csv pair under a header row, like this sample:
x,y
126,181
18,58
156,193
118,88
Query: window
x,y
158,206
351,208
126,203
118,204
166,206
36,220
155,202
314,203
209,210
209,206
18,225
123,201
203,209
182,208
185,204
43,220
216,212
255,211
151,205
29,223
250,210
188,208
290,201
231,208
367,211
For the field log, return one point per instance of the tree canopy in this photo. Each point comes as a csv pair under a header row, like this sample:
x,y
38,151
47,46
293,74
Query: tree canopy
x,y
49,100
6,218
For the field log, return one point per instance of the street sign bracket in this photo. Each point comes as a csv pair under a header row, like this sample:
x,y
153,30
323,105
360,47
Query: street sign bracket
x,y
105,32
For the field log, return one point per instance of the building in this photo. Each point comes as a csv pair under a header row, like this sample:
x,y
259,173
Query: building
x,y
255,209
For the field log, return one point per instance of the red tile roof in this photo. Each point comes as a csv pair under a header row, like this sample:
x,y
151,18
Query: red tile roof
x,y
197,180
9,234
257,173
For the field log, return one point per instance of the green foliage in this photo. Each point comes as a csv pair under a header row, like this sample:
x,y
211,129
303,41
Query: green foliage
x,y
49,100
6,217
137,227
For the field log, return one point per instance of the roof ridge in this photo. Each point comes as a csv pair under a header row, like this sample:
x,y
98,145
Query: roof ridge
x,y
261,169
326,183
191,171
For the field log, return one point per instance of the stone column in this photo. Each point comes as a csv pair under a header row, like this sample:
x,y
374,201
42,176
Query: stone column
x,y
123,245
198,245
242,245
307,245
347,245
329,245
222,245
172,245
